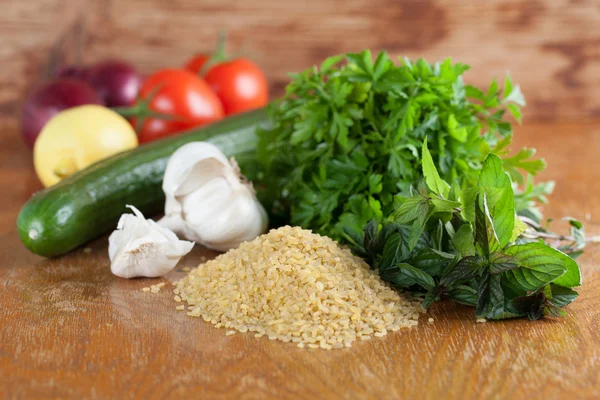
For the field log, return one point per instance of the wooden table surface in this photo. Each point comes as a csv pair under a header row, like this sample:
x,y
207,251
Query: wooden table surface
x,y
70,329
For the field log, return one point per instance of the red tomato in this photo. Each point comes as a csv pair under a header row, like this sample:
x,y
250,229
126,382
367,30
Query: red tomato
x,y
239,83
196,63
181,94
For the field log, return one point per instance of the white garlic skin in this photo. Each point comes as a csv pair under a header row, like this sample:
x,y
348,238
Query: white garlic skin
x,y
140,247
208,200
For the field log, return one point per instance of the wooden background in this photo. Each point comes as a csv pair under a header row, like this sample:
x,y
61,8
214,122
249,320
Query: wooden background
x,y
70,329
551,47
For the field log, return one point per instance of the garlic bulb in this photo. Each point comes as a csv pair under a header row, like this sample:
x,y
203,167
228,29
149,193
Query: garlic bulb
x,y
141,247
208,200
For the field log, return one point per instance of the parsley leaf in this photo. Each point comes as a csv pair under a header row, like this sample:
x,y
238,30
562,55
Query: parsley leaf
x,y
376,114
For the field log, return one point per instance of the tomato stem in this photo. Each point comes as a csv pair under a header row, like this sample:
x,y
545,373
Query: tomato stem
x,y
141,110
218,56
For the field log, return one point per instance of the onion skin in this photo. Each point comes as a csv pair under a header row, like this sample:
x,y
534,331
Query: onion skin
x,y
116,82
50,99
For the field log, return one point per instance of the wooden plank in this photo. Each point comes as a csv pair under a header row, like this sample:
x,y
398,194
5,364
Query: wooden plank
x,y
69,329
552,48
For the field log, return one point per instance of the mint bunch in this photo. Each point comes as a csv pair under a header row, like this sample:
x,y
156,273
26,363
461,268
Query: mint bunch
x,y
469,244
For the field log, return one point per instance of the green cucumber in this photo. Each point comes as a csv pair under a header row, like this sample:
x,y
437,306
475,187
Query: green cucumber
x,y
89,203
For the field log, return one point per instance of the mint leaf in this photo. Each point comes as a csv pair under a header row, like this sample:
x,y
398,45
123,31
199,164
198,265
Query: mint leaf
x,y
486,240
497,185
539,264
431,261
572,276
500,262
468,201
463,240
561,296
410,210
463,294
432,177
531,306
395,251
443,205
405,275
417,229
490,301
467,268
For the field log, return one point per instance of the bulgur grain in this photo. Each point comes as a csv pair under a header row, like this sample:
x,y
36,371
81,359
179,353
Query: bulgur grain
x,y
293,285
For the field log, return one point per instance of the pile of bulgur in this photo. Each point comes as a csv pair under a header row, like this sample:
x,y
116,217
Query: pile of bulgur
x,y
293,285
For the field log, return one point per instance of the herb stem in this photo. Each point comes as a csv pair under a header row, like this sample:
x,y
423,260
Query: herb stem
x,y
539,232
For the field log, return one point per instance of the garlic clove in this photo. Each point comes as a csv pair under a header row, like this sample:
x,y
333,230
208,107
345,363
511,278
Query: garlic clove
x,y
208,200
141,247
191,166
239,221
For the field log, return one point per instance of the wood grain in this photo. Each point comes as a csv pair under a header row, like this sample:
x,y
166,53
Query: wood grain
x,y
551,47
70,329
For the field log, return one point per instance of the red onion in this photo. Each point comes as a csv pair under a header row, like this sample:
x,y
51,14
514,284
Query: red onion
x,y
116,82
51,98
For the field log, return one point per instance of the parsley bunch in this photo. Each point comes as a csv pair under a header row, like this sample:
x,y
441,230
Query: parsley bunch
x,y
469,245
347,138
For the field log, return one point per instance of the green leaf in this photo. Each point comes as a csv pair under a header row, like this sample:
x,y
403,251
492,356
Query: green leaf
x,y
493,90
490,296
469,202
539,264
418,227
375,185
523,161
508,86
463,240
573,222
375,207
467,268
443,205
431,261
405,275
531,306
363,61
485,235
500,262
494,180
432,296
561,296
432,177
515,96
458,133
519,228
437,236
411,209
463,294
395,251
572,276
474,93
331,61
515,112
382,65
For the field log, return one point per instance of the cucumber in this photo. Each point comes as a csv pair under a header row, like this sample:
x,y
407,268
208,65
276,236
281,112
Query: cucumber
x,y
89,203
